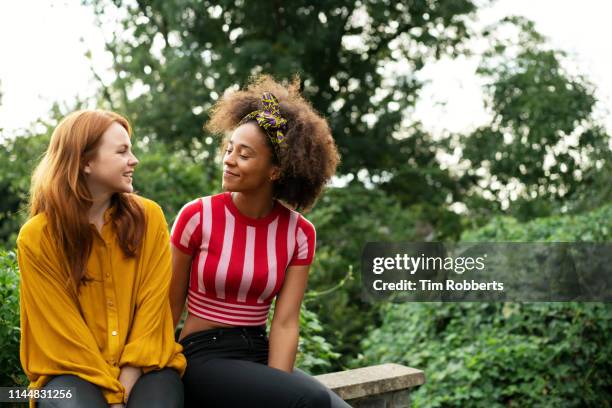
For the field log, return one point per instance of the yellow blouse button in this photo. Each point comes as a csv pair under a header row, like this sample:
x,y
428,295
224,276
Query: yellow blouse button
x,y
114,332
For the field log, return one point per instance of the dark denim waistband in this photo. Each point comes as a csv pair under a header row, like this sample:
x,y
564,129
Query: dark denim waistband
x,y
257,331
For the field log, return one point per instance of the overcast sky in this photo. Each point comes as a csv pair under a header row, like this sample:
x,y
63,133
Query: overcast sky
x,y
42,47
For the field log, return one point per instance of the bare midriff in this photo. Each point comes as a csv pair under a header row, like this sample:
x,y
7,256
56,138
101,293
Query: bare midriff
x,y
195,324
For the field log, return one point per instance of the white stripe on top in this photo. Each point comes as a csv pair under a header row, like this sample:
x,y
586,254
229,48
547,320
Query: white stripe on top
x,y
293,217
225,304
189,229
206,228
272,270
302,241
249,260
204,315
226,253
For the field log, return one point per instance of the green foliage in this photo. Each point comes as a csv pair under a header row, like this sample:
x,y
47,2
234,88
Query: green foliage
x,y
315,353
424,187
174,60
186,54
181,57
10,367
595,226
173,178
345,219
20,152
19,156
498,355
543,135
505,354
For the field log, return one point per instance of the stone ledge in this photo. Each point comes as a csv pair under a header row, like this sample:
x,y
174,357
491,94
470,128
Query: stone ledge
x,y
373,380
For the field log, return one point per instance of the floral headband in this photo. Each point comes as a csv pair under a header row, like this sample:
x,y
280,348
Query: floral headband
x,y
269,118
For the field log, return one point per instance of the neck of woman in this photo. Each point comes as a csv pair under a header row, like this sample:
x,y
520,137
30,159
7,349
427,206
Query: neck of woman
x,y
99,206
254,204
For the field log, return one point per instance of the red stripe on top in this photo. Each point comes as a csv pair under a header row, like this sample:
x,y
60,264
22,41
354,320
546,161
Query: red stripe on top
x,y
231,256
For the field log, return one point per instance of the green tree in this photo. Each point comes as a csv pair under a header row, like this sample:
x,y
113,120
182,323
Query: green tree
x,y
181,56
20,152
357,61
19,156
543,143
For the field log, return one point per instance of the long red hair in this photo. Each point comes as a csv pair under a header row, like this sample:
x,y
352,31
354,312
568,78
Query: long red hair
x,y
59,191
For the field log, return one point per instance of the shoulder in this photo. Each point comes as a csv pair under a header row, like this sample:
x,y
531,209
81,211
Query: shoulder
x,y
197,205
303,223
192,207
152,210
34,230
147,204
216,199
189,215
35,237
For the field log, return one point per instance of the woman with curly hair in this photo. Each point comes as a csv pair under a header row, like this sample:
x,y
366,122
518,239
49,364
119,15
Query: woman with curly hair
x,y
235,252
95,266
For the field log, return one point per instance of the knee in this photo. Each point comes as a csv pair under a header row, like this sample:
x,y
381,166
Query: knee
x,y
83,393
158,389
314,397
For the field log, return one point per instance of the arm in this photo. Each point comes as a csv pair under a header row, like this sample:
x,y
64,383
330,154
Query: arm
x,y
150,344
185,238
284,331
181,267
54,337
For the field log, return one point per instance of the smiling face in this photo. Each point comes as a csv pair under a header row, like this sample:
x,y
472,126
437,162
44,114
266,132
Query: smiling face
x,y
247,163
112,167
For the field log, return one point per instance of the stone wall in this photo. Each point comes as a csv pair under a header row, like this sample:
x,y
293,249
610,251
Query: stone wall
x,y
380,386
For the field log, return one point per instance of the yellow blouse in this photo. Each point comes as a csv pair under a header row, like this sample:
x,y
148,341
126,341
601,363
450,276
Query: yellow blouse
x,y
119,317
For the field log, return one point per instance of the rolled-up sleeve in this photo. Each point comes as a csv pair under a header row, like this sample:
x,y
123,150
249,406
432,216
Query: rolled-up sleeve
x,y
150,344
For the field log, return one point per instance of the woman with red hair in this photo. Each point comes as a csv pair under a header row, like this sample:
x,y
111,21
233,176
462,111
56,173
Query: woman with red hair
x,y
95,264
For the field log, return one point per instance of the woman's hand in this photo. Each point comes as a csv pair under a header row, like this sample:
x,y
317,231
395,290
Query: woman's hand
x,y
117,406
128,377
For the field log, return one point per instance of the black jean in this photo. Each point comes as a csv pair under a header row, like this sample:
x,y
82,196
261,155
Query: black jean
x,y
156,389
228,368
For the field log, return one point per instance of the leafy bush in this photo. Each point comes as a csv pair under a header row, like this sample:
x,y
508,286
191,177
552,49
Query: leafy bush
x,y
506,354
345,219
500,355
10,367
315,353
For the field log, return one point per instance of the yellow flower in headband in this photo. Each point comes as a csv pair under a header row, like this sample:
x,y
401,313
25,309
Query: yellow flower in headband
x,y
269,118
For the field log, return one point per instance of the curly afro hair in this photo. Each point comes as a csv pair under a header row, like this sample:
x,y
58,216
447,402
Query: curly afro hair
x,y
308,156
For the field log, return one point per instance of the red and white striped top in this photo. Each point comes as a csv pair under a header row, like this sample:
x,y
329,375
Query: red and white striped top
x,y
239,263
